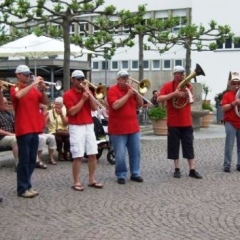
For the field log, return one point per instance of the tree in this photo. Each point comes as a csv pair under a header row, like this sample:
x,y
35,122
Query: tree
x,y
64,13
194,38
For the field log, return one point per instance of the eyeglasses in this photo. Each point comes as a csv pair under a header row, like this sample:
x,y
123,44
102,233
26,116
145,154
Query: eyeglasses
x,y
235,83
26,74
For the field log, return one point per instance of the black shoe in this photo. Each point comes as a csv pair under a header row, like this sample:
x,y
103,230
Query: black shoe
x,y
136,179
195,174
121,181
177,174
227,169
1,200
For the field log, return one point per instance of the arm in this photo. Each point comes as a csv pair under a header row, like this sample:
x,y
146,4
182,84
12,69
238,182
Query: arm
x,y
5,133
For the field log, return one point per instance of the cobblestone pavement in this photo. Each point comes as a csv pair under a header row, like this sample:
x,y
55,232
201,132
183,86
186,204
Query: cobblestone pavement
x,y
161,208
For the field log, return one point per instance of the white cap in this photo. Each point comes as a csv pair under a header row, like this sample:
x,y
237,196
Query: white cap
x,y
123,73
78,74
178,69
58,100
235,76
23,69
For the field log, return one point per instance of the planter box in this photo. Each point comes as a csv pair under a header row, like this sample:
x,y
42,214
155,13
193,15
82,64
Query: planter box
x,y
159,127
206,120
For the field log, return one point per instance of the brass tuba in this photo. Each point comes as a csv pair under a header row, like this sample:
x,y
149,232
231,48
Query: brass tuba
x,y
99,91
235,75
183,86
143,85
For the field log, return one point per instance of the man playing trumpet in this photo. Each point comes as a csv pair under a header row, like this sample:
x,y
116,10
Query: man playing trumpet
x,y
28,124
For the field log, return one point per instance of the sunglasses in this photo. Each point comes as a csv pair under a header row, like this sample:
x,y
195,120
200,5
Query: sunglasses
x,y
235,83
80,79
26,74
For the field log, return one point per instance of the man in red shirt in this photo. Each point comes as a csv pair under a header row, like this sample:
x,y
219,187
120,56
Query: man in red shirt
x,y
28,124
79,103
179,122
231,122
123,127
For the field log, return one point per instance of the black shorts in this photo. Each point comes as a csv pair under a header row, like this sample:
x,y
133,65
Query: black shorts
x,y
177,136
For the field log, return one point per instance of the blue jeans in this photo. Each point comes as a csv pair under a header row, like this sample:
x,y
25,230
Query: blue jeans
x,y
231,134
120,143
27,153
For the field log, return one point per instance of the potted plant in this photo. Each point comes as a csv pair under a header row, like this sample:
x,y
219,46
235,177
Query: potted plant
x,y
158,117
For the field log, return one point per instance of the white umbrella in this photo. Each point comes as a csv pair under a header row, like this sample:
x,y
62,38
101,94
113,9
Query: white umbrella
x,y
35,47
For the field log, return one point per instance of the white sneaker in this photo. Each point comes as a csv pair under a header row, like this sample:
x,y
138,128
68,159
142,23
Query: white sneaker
x,y
27,194
33,192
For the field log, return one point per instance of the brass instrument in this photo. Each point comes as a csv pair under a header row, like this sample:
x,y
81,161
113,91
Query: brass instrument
x,y
99,91
143,85
183,86
7,84
91,95
57,84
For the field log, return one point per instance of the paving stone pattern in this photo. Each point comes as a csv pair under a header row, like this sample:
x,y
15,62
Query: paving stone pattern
x,y
161,208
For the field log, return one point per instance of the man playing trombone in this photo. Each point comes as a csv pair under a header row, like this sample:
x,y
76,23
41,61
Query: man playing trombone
x,y
123,127
79,102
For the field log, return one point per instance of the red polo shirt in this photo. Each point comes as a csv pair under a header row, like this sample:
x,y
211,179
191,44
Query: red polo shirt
x,y
123,120
27,115
176,117
230,115
84,116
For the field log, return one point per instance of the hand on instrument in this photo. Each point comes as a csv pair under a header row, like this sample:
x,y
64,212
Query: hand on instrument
x,y
1,86
130,92
237,102
180,94
85,96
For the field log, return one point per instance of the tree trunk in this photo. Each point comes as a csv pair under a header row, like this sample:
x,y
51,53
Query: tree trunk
x,y
188,58
66,62
140,71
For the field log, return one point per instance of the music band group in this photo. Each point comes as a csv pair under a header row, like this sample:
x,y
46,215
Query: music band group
x,y
121,103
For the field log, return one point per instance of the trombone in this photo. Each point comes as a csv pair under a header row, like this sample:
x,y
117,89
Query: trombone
x,y
99,91
143,87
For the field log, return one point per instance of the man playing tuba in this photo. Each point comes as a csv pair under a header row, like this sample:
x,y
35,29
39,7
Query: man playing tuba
x,y
179,121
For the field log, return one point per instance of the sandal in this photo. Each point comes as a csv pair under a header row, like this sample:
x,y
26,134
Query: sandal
x,y
96,185
40,165
77,188
52,161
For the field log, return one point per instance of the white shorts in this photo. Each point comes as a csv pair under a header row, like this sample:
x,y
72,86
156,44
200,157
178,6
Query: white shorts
x,y
8,141
82,140
46,138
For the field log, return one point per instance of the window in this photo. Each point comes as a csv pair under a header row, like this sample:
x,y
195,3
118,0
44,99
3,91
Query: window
x,y
114,29
95,29
178,62
125,65
105,65
229,43
95,66
72,29
83,28
114,65
236,43
155,64
134,64
126,29
166,64
145,64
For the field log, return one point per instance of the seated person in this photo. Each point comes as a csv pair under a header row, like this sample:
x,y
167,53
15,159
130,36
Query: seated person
x,y
57,120
45,138
7,135
154,98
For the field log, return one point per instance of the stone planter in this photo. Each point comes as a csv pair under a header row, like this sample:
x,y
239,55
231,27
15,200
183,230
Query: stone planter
x,y
160,127
206,120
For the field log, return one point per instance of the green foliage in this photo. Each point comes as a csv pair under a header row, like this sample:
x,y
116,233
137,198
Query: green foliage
x,y
205,90
207,106
157,113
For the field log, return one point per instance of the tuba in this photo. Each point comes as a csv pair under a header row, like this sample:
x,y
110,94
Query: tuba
x,y
183,86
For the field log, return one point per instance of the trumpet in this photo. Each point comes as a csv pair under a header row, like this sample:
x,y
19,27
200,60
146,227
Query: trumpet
x,y
143,87
57,84
99,91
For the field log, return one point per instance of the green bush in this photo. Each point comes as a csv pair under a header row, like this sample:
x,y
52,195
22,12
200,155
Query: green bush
x,y
207,106
157,113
